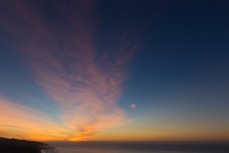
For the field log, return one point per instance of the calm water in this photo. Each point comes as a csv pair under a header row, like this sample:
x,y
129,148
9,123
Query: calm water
x,y
137,148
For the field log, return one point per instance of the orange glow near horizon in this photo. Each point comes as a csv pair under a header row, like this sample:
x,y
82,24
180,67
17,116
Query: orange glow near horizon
x,y
21,122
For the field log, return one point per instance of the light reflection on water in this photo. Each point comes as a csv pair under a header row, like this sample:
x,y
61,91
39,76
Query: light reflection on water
x,y
100,147
78,150
117,150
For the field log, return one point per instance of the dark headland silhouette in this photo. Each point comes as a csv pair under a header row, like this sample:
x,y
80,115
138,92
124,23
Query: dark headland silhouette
x,y
21,146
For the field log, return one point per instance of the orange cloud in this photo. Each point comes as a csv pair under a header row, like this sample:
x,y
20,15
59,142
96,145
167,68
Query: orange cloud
x,y
24,122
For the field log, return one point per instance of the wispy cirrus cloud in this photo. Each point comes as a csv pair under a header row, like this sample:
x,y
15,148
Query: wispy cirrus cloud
x,y
84,81
24,122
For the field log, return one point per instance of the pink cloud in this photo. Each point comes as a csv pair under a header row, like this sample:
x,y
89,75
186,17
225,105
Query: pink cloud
x,y
65,64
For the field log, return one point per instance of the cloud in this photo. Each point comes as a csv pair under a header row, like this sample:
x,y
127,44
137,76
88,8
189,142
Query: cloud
x,y
23,122
84,81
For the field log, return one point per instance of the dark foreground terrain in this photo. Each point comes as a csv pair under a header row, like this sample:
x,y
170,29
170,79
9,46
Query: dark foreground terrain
x,y
21,146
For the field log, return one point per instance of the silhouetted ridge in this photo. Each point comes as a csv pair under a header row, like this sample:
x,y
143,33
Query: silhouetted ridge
x,y
21,146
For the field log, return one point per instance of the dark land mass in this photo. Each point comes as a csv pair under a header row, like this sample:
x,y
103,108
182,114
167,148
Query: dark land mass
x,y
21,146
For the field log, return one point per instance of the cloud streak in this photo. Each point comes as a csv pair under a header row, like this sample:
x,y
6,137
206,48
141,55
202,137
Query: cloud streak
x,y
85,81
24,122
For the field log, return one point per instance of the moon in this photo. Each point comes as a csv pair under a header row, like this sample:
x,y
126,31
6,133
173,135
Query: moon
x,y
133,106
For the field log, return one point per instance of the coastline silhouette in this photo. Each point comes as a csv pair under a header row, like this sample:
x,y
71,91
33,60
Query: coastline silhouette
x,y
21,146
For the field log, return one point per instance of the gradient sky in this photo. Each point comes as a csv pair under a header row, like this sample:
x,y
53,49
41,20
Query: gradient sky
x,y
114,70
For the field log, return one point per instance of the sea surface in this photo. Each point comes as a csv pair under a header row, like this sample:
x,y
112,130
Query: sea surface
x,y
110,147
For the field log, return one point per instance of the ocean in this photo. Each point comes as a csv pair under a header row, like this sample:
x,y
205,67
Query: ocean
x,y
124,147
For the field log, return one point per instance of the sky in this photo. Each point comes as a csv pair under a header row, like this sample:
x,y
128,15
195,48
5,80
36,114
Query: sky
x,y
122,70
